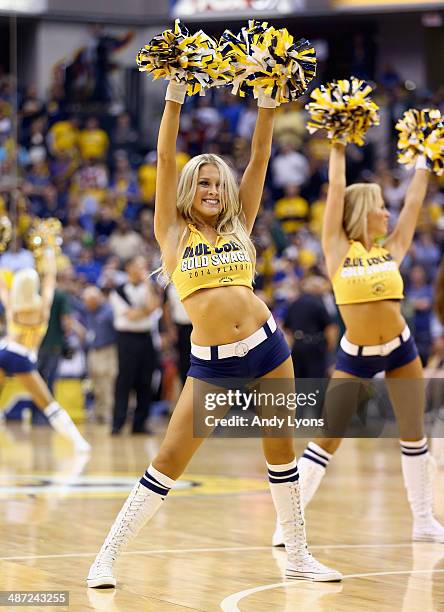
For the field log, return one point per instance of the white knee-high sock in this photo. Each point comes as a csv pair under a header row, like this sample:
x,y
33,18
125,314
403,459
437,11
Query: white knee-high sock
x,y
312,467
64,425
418,468
417,472
284,487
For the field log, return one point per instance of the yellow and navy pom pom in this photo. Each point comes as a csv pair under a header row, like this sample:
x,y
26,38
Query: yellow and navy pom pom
x,y
44,234
262,57
5,233
344,109
421,132
193,59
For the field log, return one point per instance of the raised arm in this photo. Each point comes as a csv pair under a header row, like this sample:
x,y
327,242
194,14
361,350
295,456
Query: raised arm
x,y
401,238
165,212
49,280
334,239
252,184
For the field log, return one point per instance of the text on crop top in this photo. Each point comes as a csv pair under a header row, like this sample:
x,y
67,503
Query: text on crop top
x,y
204,266
367,276
29,336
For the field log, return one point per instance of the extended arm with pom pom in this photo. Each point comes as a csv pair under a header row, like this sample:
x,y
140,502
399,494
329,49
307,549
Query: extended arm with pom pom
x,y
421,132
344,109
264,58
193,59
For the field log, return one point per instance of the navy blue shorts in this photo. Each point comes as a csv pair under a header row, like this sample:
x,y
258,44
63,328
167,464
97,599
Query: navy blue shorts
x,y
257,362
16,359
367,366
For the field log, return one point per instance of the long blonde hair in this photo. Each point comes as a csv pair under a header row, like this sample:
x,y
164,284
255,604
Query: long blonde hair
x,y
25,291
231,221
360,199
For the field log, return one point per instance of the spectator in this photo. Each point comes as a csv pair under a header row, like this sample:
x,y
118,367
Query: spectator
x,y
88,268
125,242
54,343
289,166
290,126
181,324
102,351
292,210
420,296
147,178
312,332
17,257
63,137
132,304
124,136
93,141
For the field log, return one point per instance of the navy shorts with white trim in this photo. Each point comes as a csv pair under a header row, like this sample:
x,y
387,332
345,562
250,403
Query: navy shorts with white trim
x,y
15,359
368,366
258,361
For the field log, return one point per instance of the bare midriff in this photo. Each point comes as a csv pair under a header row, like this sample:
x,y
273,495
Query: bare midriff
x,y
223,315
17,332
372,322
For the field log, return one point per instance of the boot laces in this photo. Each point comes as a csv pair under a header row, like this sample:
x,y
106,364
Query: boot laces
x,y
110,550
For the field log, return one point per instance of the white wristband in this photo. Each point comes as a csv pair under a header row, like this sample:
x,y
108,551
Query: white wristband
x,y
421,163
176,92
264,100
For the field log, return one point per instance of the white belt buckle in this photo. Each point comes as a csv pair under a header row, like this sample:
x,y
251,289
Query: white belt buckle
x,y
241,349
385,349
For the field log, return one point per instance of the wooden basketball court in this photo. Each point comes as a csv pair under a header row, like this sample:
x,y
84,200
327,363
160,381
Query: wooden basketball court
x,y
209,547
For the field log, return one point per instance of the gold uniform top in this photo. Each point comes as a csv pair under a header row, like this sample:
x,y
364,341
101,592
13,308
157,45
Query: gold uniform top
x,y
367,276
203,265
29,336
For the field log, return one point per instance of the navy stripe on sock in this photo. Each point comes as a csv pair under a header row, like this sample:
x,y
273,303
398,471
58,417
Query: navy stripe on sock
x,y
53,414
285,473
316,453
414,452
151,477
314,459
289,479
150,485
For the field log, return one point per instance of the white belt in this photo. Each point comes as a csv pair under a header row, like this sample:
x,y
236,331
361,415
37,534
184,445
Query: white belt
x,y
15,347
373,350
235,349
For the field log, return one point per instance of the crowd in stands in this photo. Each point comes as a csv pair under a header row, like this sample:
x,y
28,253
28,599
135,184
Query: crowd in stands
x,y
97,175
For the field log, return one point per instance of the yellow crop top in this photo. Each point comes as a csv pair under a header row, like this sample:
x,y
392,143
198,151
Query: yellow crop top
x,y
367,276
203,265
29,336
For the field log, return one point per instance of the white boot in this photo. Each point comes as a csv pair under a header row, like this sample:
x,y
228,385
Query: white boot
x,y
64,425
418,470
143,502
301,564
312,466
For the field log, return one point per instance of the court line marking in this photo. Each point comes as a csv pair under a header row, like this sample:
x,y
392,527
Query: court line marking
x,y
198,550
229,604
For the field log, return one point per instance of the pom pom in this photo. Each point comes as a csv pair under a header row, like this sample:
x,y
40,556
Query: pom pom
x,y
344,109
193,59
45,234
262,57
5,233
421,132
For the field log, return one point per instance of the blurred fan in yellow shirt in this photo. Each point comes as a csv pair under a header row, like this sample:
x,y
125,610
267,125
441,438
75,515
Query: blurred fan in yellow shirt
x,y
93,141
63,136
292,210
